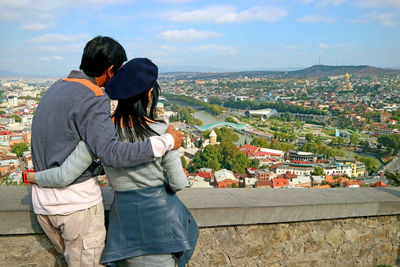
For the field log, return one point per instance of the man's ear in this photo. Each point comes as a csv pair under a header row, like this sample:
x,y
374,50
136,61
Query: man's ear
x,y
105,77
110,72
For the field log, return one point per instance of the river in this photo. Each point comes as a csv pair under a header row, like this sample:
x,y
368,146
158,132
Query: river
x,y
208,118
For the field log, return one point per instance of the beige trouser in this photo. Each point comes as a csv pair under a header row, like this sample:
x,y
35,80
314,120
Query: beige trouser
x,y
79,235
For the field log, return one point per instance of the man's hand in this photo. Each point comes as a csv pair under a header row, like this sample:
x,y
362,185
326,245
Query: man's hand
x,y
177,135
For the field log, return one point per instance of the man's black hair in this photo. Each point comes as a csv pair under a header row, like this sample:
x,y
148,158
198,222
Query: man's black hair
x,y
99,54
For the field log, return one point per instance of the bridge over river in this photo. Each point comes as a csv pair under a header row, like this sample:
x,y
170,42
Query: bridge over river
x,y
221,124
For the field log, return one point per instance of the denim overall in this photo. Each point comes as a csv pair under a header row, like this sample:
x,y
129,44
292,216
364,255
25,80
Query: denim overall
x,y
150,220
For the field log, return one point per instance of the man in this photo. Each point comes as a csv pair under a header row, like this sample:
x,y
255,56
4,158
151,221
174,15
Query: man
x,y
74,109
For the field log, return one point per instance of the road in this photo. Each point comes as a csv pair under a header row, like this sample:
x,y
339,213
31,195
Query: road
x,y
393,165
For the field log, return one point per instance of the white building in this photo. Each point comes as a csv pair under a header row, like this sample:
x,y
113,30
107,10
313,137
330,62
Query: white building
x,y
241,98
12,100
263,113
223,175
337,170
297,169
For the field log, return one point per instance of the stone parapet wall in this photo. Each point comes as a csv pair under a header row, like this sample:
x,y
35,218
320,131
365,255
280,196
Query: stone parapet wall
x,y
247,227
369,241
351,242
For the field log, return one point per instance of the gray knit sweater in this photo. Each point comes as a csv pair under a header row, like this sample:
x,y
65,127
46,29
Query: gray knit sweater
x,y
167,169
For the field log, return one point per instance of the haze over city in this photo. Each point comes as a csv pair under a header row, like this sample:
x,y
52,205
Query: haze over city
x,y
47,37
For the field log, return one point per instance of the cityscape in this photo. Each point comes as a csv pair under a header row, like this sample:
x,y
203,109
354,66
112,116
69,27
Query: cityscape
x,y
290,115
321,127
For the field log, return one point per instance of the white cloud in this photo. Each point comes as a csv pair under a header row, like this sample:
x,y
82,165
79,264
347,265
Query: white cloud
x,y
323,45
44,11
168,48
378,3
346,45
58,38
202,15
316,19
323,3
386,19
218,49
174,1
291,47
52,58
267,14
228,14
186,35
37,26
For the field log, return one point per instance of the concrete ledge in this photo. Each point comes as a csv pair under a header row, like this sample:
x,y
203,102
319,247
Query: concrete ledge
x,y
223,207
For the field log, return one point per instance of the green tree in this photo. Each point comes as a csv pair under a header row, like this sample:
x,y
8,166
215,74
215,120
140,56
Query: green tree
x,y
318,171
228,153
354,139
393,178
198,122
184,163
208,158
318,140
16,117
205,134
254,163
370,164
334,141
260,142
391,142
226,135
240,163
19,149
230,119
309,137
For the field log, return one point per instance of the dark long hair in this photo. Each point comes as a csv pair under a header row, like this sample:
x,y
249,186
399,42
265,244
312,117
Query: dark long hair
x,y
133,113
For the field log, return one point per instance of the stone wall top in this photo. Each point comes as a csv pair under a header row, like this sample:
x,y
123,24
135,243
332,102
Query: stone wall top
x,y
222,207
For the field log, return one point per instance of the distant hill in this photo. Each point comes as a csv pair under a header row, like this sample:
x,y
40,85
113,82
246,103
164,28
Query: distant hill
x,y
316,71
8,74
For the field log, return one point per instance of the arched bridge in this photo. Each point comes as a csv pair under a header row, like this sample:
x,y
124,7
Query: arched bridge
x,y
221,124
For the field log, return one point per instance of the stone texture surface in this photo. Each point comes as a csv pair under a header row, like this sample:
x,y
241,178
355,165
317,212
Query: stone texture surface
x,y
28,250
368,241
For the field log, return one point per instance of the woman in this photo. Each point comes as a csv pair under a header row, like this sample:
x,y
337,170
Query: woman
x,y
148,224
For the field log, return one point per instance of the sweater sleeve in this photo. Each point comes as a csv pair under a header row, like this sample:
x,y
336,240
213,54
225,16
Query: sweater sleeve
x,y
73,166
177,179
98,132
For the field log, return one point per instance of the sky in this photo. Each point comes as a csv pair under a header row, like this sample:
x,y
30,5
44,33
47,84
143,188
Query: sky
x,y
46,37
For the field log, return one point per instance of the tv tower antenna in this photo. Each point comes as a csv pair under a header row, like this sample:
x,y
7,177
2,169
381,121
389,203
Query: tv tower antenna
x,y
319,60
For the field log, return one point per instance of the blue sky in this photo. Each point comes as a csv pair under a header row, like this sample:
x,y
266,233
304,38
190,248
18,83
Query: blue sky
x,y
46,37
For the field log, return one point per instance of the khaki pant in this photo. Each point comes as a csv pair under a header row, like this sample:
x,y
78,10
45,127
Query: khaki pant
x,y
79,236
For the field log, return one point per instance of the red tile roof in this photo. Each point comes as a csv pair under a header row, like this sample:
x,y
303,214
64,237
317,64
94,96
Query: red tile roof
x,y
379,184
280,182
205,174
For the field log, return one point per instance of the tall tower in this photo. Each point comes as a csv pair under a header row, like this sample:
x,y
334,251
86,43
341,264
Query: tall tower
x,y
347,86
347,78
213,137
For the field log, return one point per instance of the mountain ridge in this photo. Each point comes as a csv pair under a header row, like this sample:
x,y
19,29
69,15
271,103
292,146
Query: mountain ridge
x,y
315,71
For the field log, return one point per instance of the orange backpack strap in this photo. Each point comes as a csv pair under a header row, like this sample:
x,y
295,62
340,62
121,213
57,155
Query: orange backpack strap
x,y
96,90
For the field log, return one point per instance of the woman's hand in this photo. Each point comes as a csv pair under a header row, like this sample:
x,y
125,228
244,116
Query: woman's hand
x,y
30,177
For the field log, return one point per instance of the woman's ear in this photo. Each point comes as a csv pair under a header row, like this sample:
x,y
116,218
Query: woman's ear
x,y
150,94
